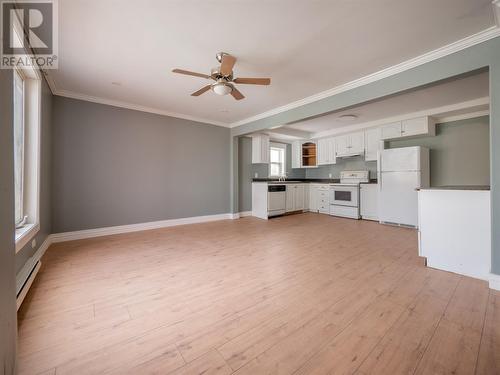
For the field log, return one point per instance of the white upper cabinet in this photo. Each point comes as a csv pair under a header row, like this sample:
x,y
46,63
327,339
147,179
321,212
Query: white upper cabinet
x,y
342,145
357,143
409,128
350,144
326,151
392,130
373,142
296,154
260,149
418,126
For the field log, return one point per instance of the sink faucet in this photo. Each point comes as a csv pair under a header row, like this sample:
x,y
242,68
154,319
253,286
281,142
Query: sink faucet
x,y
282,177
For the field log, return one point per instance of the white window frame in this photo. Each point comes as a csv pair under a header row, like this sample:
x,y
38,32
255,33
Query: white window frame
x,y
283,148
31,162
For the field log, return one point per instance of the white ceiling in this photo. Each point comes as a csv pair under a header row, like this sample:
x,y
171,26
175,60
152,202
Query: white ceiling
x,y
305,47
440,95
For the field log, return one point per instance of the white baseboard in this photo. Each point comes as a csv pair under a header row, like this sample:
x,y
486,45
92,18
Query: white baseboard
x,y
245,213
494,281
98,232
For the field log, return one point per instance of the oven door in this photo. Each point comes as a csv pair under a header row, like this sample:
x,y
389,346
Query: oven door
x,y
344,195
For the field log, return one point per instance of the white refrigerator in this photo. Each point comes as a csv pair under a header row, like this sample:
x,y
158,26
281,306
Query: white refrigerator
x,y
401,171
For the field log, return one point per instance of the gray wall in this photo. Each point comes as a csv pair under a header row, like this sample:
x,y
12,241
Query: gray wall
x,y
45,181
8,322
114,166
459,153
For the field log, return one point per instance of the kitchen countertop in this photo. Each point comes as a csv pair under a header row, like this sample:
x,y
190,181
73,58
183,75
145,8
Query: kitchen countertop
x,y
459,187
307,180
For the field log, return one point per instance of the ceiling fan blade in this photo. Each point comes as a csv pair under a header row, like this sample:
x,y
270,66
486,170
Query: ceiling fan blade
x,y
201,91
188,73
227,63
253,81
236,94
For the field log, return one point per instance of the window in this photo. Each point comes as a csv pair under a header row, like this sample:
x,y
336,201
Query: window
x,y
18,147
277,166
26,139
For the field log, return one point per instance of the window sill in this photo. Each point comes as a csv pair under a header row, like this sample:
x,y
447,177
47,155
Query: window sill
x,y
25,235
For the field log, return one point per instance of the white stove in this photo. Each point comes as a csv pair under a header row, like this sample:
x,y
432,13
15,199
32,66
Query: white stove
x,y
344,196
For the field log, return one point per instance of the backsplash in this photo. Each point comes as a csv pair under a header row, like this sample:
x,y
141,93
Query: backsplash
x,y
355,163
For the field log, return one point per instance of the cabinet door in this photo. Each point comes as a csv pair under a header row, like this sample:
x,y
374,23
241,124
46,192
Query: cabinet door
x,y
299,197
342,145
290,198
331,157
326,151
369,201
322,152
313,198
392,130
260,149
307,187
265,149
357,143
296,154
372,143
415,126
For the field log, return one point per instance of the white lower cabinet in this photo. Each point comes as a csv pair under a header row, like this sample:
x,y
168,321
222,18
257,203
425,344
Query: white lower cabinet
x,y
319,198
369,201
295,200
313,198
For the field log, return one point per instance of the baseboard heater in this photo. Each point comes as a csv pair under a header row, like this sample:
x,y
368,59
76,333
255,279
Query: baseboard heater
x,y
24,280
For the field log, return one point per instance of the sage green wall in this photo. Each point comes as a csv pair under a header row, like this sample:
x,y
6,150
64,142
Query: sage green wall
x,y
459,153
8,319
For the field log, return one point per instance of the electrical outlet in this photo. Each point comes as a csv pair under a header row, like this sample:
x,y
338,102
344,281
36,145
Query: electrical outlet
x,y
256,175
33,243
329,175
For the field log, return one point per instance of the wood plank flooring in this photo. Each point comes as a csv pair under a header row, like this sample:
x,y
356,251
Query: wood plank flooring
x,y
301,294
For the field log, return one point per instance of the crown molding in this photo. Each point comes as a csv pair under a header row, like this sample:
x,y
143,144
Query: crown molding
x,y
476,107
121,104
135,107
449,49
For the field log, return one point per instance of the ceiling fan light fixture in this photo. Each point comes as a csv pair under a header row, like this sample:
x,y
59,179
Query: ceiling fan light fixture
x,y
221,88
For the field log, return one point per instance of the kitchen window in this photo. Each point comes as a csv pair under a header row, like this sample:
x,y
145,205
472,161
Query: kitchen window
x,y
277,166
26,138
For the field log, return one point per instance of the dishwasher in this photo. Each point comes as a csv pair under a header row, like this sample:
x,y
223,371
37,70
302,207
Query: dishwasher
x,y
276,200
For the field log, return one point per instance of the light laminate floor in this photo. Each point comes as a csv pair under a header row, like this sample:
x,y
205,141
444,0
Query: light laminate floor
x,y
302,294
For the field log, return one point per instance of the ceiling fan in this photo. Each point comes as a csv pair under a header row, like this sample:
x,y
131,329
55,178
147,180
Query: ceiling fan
x,y
223,77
